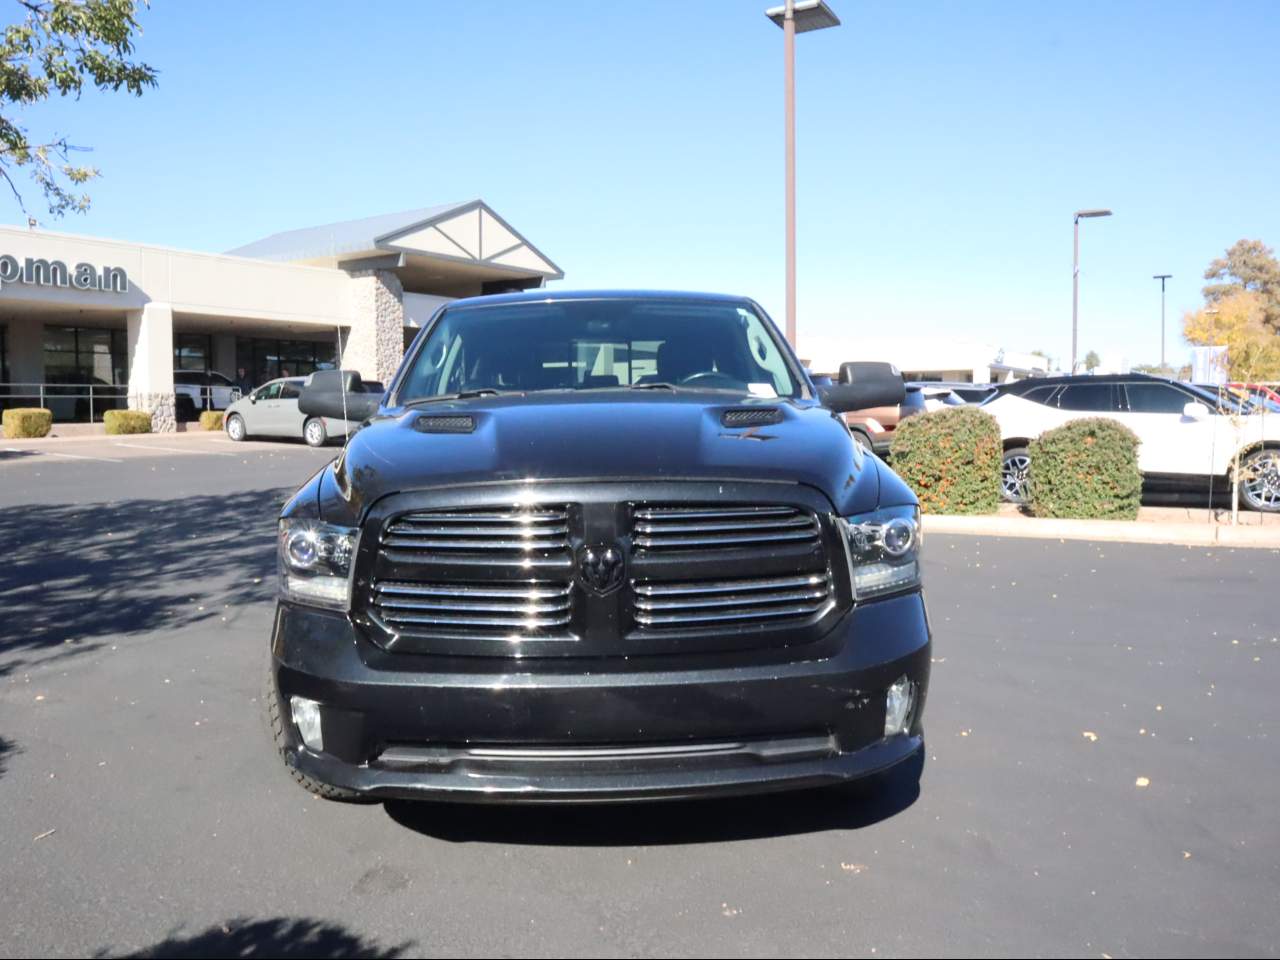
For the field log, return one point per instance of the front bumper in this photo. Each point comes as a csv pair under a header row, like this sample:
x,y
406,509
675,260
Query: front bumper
x,y
479,729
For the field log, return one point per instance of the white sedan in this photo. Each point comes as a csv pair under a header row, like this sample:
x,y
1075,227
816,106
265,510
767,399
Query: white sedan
x,y
1190,437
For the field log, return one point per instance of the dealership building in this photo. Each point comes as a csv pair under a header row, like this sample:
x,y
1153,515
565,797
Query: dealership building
x,y
79,314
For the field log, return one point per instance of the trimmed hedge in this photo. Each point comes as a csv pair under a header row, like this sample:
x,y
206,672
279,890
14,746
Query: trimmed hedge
x,y
26,422
127,421
951,459
1086,469
211,420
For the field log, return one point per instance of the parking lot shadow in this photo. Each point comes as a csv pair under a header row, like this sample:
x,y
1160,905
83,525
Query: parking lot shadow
x,y
6,748
673,822
277,937
76,574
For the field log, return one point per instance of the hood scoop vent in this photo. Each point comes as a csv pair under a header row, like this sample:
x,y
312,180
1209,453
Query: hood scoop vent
x,y
751,416
445,423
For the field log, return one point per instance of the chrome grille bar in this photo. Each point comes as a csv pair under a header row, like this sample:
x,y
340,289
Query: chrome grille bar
x,y
680,527
693,603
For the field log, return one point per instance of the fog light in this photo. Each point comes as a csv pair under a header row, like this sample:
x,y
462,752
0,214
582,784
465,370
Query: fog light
x,y
898,701
306,717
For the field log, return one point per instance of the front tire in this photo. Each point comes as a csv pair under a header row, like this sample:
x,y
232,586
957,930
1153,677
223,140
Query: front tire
x,y
314,433
235,427
274,711
1015,476
1260,481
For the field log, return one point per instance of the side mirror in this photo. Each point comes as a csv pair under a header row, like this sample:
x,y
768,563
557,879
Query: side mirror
x,y
1195,410
337,394
864,384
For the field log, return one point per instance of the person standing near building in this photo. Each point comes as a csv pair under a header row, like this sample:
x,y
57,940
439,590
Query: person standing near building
x,y
243,382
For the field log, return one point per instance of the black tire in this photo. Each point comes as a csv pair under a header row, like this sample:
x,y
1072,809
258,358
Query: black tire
x,y
1260,480
236,429
862,440
184,409
273,711
314,433
1015,476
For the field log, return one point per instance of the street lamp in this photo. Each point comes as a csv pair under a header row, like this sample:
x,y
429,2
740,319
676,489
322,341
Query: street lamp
x,y
1162,277
795,16
1075,277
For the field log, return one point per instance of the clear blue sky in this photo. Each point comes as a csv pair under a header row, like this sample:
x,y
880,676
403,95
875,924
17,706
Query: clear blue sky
x,y
942,146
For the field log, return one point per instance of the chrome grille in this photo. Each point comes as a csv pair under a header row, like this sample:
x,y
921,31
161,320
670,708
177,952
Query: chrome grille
x,y
718,527
525,608
500,532
700,602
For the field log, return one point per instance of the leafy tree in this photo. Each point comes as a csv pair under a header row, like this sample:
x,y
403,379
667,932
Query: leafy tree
x,y
1092,361
59,47
1250,265
1238,322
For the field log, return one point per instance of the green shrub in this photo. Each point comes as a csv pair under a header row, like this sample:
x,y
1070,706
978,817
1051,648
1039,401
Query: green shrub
x,y
211,420
127,421
1088,469
951,459
23,422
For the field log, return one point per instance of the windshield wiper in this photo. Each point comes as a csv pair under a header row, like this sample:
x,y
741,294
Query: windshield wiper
x,y
460,395
661,385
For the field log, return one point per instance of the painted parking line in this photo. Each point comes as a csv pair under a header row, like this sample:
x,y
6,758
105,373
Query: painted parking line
x,y
152,446
67,456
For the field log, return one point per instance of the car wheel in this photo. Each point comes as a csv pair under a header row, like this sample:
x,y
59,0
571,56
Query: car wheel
x,y
314,433
862,440
1015,476
274,714
235,427
1260,481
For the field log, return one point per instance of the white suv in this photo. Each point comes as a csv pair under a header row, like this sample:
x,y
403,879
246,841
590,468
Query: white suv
x,y
1190,436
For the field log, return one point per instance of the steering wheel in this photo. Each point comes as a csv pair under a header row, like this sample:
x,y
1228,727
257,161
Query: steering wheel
x,y
711,378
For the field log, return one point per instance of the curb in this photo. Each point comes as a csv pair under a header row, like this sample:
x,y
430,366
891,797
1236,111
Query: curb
x,y
1115,531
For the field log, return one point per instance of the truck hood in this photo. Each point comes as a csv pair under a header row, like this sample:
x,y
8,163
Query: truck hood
x,y
606,436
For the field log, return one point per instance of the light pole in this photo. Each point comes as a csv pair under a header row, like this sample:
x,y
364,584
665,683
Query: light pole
x,y
795,16
1075,278
1162,277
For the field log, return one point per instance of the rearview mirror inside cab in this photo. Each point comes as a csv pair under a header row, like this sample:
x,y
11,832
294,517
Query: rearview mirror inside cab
x,y
864,383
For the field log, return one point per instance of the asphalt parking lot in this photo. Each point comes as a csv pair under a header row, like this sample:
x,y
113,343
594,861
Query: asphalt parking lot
x,y
1101,780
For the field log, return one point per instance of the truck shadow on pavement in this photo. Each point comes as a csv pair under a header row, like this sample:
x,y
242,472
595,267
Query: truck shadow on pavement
x,y
6,748
277,937
77,574
674,822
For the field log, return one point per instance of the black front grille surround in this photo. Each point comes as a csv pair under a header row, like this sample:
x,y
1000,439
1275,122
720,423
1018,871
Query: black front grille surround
x,y
710,568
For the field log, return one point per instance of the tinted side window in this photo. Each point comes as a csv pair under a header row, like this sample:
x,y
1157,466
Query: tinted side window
x,y
1091,397
270,392
290,391
1155,398
1039,394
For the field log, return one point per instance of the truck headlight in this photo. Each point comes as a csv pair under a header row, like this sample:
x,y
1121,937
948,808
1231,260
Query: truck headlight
x,y
315,563
884,551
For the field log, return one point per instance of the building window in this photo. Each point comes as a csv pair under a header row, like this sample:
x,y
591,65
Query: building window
x,y
85,355
193,351
265,360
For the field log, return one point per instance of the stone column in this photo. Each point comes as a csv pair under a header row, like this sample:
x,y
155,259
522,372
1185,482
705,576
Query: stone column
x,y
151,364
375,344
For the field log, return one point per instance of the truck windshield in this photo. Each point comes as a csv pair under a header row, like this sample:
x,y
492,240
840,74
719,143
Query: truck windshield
x,y
600,344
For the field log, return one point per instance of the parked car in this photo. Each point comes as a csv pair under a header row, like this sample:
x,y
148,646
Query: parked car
x,y
968,392
1262,394
541,572
938,396
1190,437
272,411
873,427
196,390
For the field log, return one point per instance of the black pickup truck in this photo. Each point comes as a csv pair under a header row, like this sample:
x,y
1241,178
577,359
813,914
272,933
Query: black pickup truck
x,y
598,546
